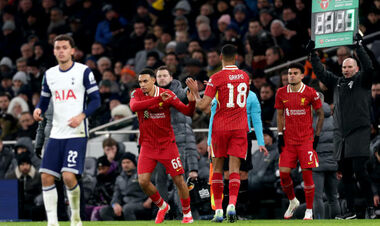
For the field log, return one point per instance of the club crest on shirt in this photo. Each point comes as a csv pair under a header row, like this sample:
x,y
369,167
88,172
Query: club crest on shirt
x,y
302,101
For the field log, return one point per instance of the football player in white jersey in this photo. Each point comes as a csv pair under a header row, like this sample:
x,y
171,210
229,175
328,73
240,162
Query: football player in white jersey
x,y
70,84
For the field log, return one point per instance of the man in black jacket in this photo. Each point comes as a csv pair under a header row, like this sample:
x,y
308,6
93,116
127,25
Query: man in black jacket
x,y
351,121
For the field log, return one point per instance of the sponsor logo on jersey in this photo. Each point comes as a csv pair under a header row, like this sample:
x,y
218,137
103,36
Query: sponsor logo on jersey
x,y
64,95
236,77
157,115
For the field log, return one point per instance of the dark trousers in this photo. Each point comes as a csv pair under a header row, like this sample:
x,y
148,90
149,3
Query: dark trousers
x,y
356,166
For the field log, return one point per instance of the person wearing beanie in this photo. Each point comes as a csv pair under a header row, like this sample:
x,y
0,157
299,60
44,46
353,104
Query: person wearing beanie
x,y
129,202
121,111
30,180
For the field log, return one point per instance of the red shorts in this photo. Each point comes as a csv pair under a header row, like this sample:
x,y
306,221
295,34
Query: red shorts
x,y
229,143
304,153
171,162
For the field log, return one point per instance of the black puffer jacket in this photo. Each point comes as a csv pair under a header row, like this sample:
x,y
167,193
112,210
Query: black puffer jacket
x,y
183,132
325,148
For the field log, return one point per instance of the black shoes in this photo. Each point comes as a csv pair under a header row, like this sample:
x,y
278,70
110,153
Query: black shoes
x,y
346,216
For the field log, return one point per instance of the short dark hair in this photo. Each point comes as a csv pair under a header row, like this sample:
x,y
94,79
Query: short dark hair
x,y
6,94
229,51
162,68
109,142
147,71
150,36
65,37
298,66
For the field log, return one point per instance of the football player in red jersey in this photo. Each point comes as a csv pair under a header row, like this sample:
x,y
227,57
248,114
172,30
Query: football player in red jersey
x,y
296,139
229,130
157,140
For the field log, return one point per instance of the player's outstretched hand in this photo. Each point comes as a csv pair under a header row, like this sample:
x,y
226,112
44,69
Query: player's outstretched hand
x,y
37,114
190,96
281,143
166,96
193,85
75,121
264,149
310,47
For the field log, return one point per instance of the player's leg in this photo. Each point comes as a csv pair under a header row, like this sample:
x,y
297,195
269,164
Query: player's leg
x,y
145,167
308,159
234,185
288,160
50,169
184,196
217,187
73,165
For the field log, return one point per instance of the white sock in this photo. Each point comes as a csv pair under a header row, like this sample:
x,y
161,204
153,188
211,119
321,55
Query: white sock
x,y
188,214
74,200
163,206
50,196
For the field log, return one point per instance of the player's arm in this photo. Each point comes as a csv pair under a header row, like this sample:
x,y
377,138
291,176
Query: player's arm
x,y
326,77
185,109
280,121
141,105
44,101
202,103
213,110
321,118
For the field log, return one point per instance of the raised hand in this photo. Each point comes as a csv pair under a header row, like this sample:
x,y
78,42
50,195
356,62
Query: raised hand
x,y
193,85
358,39
190,96
165,96
310,46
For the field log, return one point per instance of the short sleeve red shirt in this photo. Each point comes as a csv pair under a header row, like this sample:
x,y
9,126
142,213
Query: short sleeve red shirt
x,y
298,114
230,87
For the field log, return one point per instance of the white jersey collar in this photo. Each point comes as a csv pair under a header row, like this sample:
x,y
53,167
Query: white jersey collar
x,y
300,90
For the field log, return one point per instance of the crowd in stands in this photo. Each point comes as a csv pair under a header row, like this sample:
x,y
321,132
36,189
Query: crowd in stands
x,y
116,40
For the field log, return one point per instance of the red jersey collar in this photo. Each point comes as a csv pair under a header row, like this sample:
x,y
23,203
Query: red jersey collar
x,y
300,90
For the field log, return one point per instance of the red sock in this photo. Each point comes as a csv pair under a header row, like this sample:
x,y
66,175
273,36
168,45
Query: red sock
x,y
287,185
234,186
217,188
309,188
185,205
156,198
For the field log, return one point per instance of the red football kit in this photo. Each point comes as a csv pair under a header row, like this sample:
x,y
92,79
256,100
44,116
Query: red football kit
x,y
157,138
298,132
230,87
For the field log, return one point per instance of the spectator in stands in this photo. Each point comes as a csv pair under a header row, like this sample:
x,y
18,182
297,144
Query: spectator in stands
x,y
26,51
57,22
375,107
171,62
128,202
17,106
206,37
28,126
266,18
109,75
120,111
20,80
258,80
10,40
6,156
182,8
193,68
324,176
259,40
193,45
267,99
5,98
6,84
113,25
214,64
21,64
30,196
150,44
223,23
136,39
9,127
200,55
112,150
274,57
5,65
283,38
104,63
24,146
103,192
240,18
